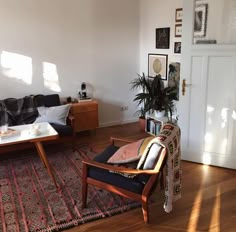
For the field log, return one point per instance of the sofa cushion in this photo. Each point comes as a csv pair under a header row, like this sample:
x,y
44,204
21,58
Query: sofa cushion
x,y
55,114
47,100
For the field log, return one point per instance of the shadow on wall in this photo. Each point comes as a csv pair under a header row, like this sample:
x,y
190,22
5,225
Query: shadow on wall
x,y
19,67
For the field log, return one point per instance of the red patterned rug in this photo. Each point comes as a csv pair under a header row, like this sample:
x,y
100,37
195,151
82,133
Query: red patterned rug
x,y
29,200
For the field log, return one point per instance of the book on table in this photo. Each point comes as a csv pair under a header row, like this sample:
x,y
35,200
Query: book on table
x,y
9,133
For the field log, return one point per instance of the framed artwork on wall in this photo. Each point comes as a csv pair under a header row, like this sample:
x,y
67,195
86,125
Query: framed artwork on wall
x,y
157,64
163,38
179,15
200,20
177,47
174,77
178,30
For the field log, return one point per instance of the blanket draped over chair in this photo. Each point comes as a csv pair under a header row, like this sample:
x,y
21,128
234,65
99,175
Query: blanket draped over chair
x,y
169,137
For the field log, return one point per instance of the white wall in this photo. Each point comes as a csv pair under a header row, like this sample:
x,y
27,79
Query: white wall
x,y
95,41
157,14
102,42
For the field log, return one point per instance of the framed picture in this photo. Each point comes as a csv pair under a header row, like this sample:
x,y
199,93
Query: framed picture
x,y
177,47
200,20
179,15
178,30
157,64
174,77
163,38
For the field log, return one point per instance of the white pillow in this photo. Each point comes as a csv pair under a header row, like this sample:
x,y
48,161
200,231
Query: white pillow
x,y
55,114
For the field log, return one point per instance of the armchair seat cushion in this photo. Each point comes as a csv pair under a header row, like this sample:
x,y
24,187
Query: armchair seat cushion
x,y
135,184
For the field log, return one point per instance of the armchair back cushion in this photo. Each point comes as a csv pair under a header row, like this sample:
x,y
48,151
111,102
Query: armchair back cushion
x,y
149,160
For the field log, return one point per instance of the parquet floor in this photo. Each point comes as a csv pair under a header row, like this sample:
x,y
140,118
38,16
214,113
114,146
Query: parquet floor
x,y
208,200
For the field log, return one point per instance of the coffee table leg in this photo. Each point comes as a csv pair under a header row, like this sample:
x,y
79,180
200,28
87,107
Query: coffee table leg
x,y
44,159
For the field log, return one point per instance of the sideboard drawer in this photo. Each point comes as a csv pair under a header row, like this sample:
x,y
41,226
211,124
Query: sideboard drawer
x,y
84,107
86,115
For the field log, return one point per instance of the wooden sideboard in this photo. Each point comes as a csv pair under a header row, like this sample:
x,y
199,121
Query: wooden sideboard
x,y
86,115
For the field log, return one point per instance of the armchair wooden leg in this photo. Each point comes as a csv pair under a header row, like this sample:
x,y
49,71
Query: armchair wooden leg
x,y
145,209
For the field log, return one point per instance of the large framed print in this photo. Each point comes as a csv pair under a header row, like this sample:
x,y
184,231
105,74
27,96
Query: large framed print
x,y
157,64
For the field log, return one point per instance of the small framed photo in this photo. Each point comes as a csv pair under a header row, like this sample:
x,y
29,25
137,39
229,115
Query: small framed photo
x,y
179,15
178,30
163,38
177,47
200,20
157,64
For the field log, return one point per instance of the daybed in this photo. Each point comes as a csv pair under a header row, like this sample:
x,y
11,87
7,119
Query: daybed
x,y
18,111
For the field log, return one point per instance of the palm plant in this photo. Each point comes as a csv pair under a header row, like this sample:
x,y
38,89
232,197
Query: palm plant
x,y
154,95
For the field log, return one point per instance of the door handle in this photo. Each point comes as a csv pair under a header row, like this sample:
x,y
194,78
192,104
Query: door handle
x,y
184,85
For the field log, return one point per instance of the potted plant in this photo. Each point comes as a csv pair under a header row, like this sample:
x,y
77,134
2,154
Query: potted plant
x,y
154,96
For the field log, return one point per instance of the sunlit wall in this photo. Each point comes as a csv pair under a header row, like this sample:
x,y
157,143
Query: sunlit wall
x,y
53,46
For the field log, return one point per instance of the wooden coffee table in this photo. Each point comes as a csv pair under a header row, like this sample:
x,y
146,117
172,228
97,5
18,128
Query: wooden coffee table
x,y
46,133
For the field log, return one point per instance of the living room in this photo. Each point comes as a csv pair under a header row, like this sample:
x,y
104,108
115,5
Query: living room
x,y
53,46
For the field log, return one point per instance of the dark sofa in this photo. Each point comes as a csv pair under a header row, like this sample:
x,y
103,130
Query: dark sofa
x,y
18,111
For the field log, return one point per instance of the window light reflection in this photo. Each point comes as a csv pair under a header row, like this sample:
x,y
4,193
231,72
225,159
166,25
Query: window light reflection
x,y
17,66
210,109
50,76
234,115
206,158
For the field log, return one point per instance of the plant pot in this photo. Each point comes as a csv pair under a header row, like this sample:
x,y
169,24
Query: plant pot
x,y
159,114
142,123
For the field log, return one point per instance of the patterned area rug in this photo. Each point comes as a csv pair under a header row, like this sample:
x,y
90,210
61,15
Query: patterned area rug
x,y
29,200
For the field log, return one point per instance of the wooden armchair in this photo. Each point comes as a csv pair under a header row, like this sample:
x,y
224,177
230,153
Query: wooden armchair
x,y
100,174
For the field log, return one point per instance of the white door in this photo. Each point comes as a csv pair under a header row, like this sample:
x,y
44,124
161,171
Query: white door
x,y
207,111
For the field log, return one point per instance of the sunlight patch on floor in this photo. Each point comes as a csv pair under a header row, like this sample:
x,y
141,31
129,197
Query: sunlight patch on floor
x,y
195,213
215,217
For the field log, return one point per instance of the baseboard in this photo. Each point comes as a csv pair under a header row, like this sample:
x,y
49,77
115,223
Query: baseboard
x,y
114,123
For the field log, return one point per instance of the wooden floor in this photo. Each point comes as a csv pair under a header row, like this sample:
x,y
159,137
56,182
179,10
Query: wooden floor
x,y
208,200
